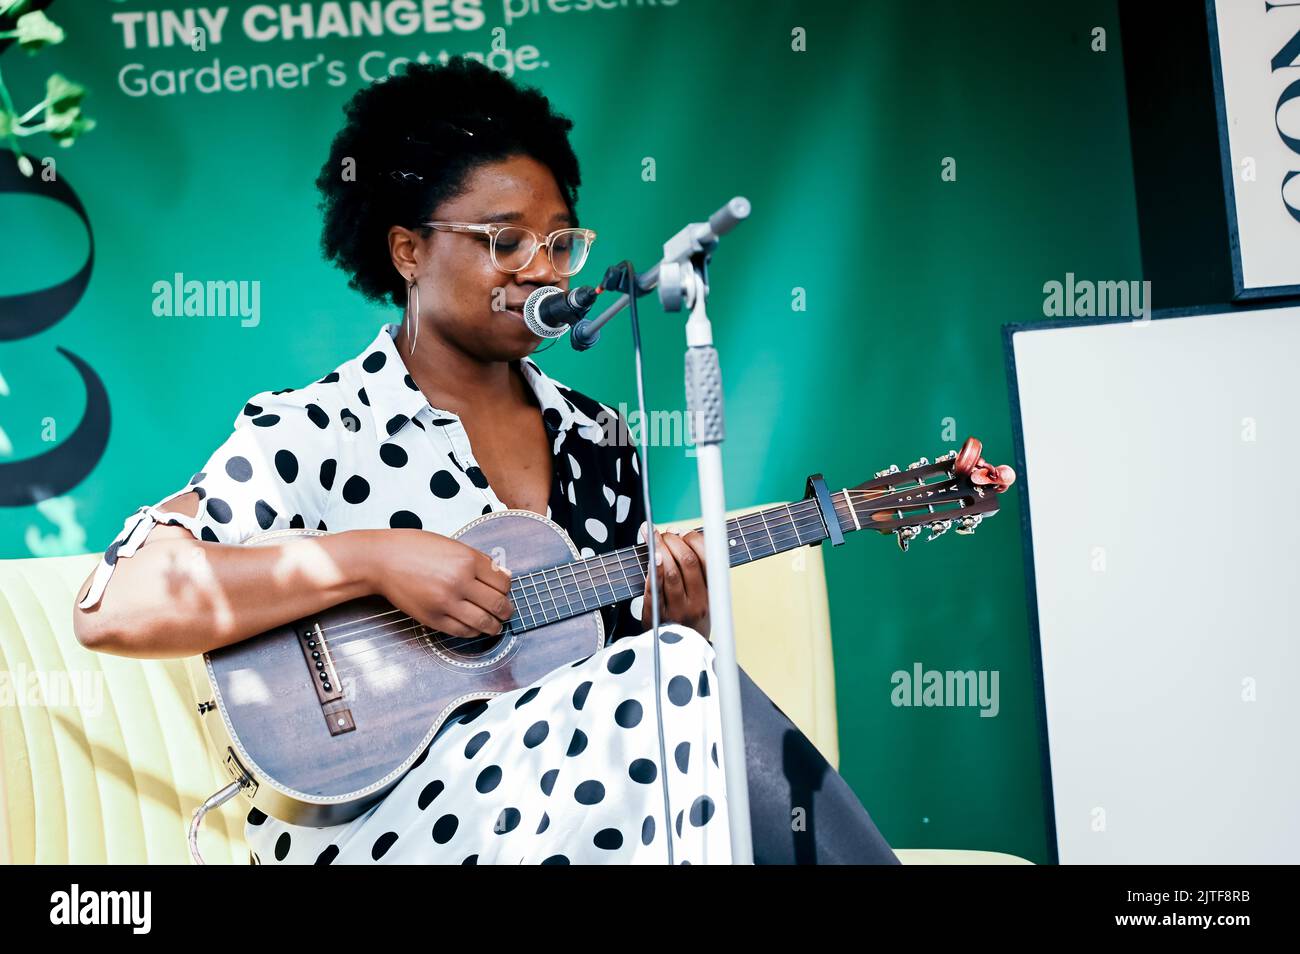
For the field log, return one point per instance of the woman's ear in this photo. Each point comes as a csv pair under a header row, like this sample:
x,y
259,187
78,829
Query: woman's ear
x,y
403,245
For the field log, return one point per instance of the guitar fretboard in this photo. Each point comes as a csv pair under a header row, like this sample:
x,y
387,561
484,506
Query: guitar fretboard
x,y
560,592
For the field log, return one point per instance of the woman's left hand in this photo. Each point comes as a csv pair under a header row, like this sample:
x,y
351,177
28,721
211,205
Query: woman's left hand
x,y
683,591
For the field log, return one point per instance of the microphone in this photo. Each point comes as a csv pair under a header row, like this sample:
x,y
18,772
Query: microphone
x,y
549,311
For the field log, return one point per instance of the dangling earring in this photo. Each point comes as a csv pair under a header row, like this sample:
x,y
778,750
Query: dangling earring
x,y
412,292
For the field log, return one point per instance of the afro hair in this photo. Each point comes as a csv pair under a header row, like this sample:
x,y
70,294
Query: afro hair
x,y
410,143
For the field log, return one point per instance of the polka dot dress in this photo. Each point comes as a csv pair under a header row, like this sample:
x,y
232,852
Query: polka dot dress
x,y
567,769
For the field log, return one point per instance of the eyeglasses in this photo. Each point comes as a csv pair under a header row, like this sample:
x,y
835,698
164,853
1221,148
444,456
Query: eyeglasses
x,y
513,247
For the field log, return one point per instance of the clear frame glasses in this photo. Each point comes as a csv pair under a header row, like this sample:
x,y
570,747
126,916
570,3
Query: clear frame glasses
x,y
513,247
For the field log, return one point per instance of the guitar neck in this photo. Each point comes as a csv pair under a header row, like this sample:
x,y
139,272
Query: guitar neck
x,y
570,589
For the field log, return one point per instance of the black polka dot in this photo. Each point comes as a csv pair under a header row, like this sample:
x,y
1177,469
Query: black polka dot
x,y
410,382
382,844
316,414
444,485
266,420
648,830
621,662
264,513
679,690
682,756
219,510
668,636
643,771
349,420
429,793
239,468
552,418
470,860
556,860
544,824
363,397
252,410
476,743
328,855
488,779
356,490
395,423
507,821
404,519
374,361
548,781
702,810
713,753
536,734
282,846
329,378
628,713
527,696
286,465
580,695
577,743
609,839
256,816
702,686
476,477
472,711
207,534
444,828
589,792
328,468
198,478
392,455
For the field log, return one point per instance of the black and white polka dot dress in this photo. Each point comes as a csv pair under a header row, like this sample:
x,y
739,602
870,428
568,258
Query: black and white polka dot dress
x,y
567,770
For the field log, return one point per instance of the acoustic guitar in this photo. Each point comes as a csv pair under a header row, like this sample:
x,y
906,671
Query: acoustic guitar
x,y
318,719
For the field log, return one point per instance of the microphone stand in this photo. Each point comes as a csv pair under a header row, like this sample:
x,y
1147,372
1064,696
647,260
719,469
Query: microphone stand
x,y
682,279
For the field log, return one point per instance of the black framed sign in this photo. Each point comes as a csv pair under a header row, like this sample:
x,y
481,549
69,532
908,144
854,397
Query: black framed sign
x,y
1255,52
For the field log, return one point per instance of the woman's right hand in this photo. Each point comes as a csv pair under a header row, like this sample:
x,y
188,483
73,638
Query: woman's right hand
x,y
440,582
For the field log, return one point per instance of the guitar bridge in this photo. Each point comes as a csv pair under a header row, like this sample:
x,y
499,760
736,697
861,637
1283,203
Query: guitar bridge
x,y
329,689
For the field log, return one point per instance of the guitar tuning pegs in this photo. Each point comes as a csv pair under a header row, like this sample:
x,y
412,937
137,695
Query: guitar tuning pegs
x,y
917,463
906,535
938,529
892,469
967,525
951,455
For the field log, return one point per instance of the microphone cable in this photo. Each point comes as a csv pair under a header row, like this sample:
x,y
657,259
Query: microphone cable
x,y
652,573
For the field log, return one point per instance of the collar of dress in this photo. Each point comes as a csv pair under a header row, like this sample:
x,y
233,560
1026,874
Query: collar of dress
x,y
395,398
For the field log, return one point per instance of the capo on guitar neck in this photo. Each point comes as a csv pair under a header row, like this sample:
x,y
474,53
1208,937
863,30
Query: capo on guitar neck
x,y
816,489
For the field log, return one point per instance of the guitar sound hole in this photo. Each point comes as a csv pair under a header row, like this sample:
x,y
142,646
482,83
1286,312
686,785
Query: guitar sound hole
x,y
466,646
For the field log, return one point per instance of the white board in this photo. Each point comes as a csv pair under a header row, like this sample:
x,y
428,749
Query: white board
x,y
1163,472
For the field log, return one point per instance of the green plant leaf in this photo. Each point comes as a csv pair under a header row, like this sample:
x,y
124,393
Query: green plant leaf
x,y
68,134
36,30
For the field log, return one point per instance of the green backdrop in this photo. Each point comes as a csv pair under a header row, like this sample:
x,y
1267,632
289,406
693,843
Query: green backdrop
x,y
840,148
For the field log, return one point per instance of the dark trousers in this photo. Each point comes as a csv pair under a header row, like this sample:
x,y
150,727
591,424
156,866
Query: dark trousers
x,y
786,774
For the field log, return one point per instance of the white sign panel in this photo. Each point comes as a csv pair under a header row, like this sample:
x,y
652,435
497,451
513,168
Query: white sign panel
x,y
1255,46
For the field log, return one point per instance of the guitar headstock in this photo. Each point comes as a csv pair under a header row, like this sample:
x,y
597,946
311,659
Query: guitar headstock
x,y
957,490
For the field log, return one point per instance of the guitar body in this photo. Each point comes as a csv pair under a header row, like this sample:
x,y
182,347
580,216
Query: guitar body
x,y
321,757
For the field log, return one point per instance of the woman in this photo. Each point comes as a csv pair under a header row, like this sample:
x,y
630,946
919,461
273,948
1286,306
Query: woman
x,y
438,195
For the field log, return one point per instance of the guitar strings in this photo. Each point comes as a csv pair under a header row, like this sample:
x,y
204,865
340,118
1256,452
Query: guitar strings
x,y
572,588
395,650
